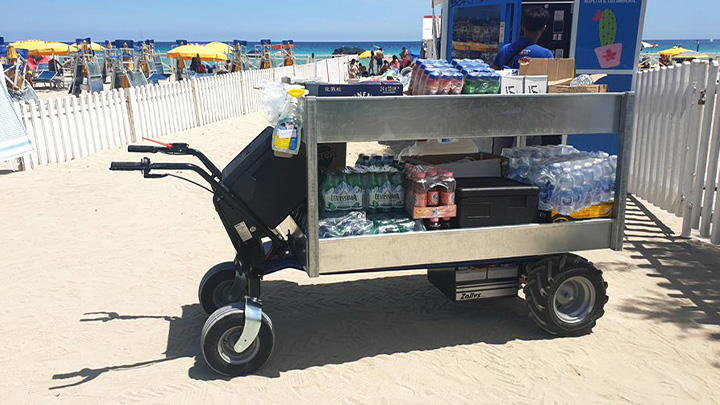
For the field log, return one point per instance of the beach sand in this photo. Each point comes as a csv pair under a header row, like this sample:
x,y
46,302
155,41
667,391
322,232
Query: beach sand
x,y
100,272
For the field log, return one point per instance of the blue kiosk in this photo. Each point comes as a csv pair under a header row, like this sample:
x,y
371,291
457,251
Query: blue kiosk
x,y
603,36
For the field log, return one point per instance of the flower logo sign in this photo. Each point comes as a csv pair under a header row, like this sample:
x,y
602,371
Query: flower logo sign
x,y
609,53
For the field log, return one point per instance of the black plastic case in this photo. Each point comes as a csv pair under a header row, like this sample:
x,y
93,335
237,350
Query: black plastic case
x,y
271,186
494,201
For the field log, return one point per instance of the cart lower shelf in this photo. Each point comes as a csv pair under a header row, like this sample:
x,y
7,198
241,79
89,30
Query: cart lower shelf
x,y
461,245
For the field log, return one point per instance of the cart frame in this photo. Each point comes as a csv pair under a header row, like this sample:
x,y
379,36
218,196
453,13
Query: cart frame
x,y
366,119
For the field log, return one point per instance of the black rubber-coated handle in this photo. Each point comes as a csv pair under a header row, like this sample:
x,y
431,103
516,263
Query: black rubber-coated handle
x,y
127,166
142,149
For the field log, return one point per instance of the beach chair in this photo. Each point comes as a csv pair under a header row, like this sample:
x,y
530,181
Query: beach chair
x,y
77,80
137,79
159,73
46,77
120,79
95,77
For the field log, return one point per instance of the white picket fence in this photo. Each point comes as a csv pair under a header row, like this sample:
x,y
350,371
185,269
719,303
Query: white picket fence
x,y
67,128
677,144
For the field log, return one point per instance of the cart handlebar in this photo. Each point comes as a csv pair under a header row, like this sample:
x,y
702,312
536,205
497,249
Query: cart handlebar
x,y
177,149
128,166
143,149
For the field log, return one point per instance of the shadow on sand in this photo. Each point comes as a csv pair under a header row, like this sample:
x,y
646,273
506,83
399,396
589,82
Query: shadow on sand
x,y
342,322
688,269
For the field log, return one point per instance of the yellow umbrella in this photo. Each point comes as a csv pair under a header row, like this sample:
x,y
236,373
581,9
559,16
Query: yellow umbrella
x,y
364,55
192,50
691,55
674,51
219,47
93,47
29,44
49,48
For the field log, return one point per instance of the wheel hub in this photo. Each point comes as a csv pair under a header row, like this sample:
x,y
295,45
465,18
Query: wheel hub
x,y
221,294
574,300
226,347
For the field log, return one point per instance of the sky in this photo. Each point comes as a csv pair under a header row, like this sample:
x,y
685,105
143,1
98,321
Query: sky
x,y
308,20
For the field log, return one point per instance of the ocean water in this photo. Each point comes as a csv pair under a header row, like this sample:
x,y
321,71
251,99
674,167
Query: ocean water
x,y
325,48
706,45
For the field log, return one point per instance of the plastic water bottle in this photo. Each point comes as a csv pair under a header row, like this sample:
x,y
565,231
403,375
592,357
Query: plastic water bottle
x,y
458,81
608,182
580,189
589,182
432,84
564,195
542,178
597,181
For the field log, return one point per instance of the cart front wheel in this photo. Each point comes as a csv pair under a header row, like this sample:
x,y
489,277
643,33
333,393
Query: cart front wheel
x,y
565,295
221,332
215,287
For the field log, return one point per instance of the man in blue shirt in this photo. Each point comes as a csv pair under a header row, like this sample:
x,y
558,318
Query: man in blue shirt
x,y
534,22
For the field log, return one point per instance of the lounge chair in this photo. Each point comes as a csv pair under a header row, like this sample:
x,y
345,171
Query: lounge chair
x,y
159,73
46,77
137,79
95,78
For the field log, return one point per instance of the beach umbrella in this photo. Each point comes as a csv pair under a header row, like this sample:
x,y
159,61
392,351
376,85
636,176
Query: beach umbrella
x,y
691,55
364,55
674,51
646,45
93,47
49,48
28,44
219,47
189,51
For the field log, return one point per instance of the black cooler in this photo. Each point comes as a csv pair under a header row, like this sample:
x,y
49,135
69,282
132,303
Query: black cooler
x,y
494,201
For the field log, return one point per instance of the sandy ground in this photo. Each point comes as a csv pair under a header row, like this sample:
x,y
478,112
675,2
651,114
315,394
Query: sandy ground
x,y
100,271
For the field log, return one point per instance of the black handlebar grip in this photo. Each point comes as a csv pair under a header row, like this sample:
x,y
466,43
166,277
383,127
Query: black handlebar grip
x,y
142,149
127,166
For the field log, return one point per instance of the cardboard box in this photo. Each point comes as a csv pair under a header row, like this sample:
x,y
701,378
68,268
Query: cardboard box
x,y
554,69
512,85
536,84
592,88
563,86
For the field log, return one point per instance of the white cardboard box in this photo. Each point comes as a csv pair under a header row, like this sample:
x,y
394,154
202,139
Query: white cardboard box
x,y
512,85
536,84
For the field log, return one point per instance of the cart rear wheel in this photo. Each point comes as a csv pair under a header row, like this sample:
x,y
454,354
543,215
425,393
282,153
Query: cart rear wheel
x,y
218,338
565,295
215,287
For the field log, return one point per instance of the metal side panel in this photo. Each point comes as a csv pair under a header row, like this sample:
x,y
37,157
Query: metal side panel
x,y
459,245
313,215
366,119
625,135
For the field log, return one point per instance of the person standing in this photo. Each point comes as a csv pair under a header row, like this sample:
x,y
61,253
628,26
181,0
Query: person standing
x,y
195,64
534,23
379,56
353,69
371,69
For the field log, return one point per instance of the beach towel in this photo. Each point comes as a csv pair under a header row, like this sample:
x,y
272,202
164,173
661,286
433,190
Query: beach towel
x,y
14,140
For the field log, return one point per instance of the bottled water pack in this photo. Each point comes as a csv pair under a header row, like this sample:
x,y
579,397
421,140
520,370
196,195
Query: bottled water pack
x,y
569,180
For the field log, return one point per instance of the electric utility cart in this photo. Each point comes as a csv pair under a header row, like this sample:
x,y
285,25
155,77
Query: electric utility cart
x,y
269,207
